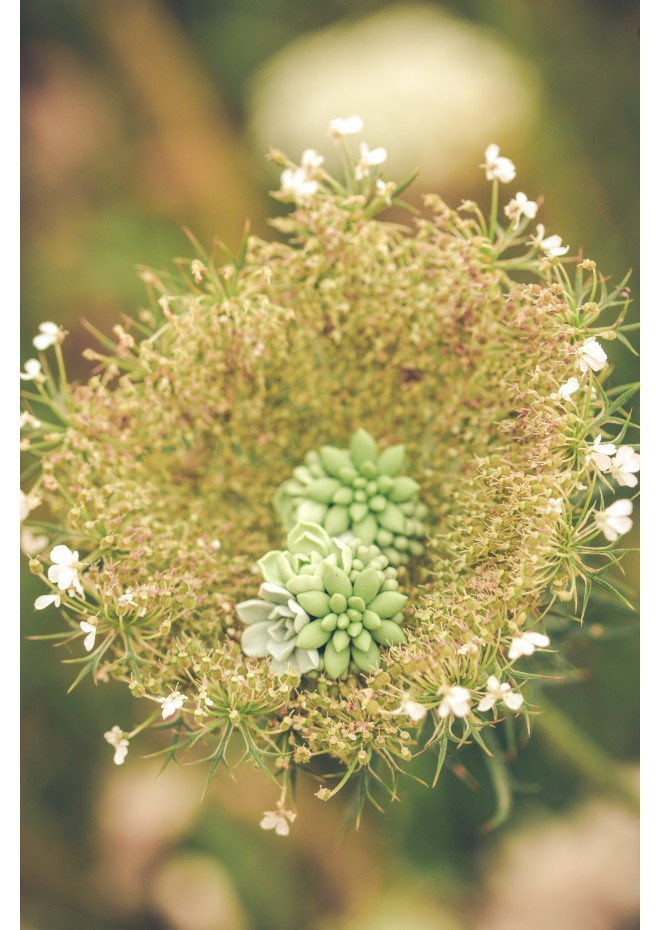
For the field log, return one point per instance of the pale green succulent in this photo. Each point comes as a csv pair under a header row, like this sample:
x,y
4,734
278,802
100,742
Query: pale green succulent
x,y
359,491
324,604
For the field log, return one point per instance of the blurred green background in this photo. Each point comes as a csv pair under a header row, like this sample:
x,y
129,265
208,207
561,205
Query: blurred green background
x,y
142,116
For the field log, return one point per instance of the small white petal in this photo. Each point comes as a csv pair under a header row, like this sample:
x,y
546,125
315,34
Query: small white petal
x,y
45,600
512,700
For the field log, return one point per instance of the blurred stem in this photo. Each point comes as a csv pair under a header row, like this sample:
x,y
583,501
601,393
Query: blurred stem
x,y
192,156
493,210
585,756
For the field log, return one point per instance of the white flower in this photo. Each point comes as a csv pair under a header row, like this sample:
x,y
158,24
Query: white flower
x,y
591,355
527,643
615,520
565,390
520,206
28,420
497,167
624,464
198,270
203,697
555,506
28,503
339,128
296,184
411,709
278,820
599,454
116,738
311,160
46,600
172,703
500,692
32,543
385,189
470,648
49,334
369,158
64,571
551,245
456,701
32,371
89,627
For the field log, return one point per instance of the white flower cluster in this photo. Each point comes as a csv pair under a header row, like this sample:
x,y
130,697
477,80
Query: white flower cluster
x,y
499,168
622,463
300,184
590,356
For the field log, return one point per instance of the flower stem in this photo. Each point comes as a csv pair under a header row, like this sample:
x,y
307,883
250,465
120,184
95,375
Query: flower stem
x,y
585,756
493,210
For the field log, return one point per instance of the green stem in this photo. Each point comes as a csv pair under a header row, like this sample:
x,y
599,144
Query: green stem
x,y
585,756
493,210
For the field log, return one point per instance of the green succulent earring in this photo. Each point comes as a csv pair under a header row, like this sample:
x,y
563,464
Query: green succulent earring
x,y
358,490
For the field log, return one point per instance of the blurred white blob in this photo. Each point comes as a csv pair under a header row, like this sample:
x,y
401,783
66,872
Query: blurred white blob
x,y
430,88
192,891
141,813
579,872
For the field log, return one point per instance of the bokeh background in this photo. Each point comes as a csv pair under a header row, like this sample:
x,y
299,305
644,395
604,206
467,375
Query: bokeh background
x,y
144,116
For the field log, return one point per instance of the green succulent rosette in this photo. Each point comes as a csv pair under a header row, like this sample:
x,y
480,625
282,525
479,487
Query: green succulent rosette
x,y
325,605
360,491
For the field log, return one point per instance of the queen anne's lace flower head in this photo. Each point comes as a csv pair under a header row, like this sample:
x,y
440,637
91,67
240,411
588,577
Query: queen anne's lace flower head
x,y
161,470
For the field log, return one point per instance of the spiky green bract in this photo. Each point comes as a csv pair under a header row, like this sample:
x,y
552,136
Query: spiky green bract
x,y
325,605
358,490
454,338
